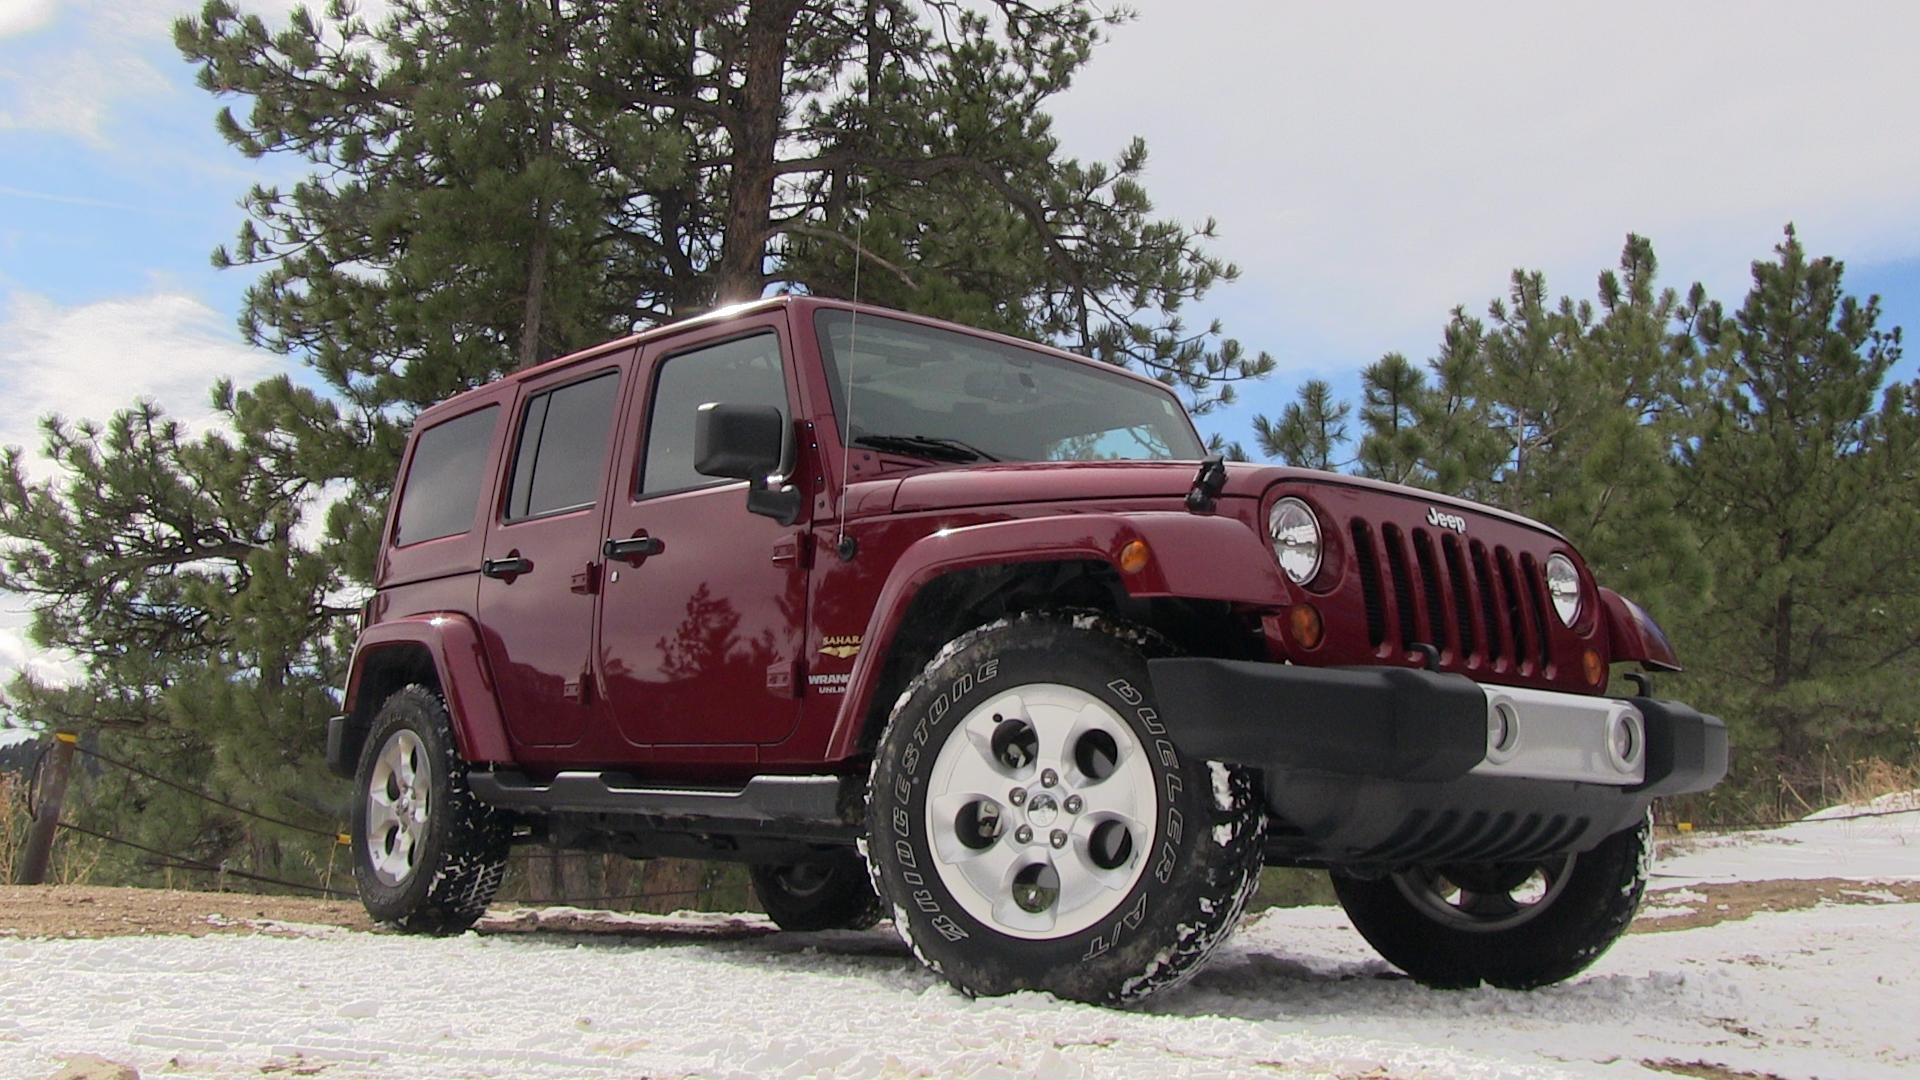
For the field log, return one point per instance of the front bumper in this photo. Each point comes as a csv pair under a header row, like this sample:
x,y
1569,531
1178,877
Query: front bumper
x,y
1394,765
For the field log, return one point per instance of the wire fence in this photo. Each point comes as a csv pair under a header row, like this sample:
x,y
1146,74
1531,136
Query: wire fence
x,y
160,859
339,837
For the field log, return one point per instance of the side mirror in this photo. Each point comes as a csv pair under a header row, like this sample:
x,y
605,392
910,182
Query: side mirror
x,y
746,442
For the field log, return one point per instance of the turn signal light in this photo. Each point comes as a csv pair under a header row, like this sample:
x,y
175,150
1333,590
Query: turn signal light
x,y
1133,557
1596,669
1303,621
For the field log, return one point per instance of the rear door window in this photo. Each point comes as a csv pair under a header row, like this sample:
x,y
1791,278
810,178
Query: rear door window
x,y
563,445
441,491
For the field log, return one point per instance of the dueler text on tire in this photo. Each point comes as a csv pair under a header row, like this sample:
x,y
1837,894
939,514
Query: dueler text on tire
x,y
427,855
829,892
1514,925
1032,826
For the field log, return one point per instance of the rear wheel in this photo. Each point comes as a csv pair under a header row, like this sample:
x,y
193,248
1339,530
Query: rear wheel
x,y
1034,828
427,855
1513,925
828,892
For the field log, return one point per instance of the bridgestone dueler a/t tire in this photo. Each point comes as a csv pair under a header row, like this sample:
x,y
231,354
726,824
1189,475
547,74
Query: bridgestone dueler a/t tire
x,y
462,852
1197,869
830,892
1601,895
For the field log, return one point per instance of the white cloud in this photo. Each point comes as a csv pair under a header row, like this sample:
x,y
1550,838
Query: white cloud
x,y
20,16
91,360
1373,164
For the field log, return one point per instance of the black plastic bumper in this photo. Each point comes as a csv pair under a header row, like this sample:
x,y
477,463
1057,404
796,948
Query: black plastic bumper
x,y
1374,765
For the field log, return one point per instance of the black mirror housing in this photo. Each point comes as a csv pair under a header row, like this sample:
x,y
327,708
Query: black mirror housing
x,y
740,442
746,442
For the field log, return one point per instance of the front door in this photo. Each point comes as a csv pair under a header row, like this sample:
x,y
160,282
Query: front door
x,y
701,626
541,569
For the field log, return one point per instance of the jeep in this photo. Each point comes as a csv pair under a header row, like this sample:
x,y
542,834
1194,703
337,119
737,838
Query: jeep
x,y
932,624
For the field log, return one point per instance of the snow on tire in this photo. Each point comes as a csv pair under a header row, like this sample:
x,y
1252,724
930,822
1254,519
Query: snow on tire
x,y
427,855
1034,828
1511,925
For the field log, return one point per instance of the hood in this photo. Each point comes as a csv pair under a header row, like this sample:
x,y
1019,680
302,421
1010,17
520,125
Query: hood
x,y
960,487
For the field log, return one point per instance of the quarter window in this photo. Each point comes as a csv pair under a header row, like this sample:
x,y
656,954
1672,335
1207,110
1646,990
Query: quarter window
x,y
441,490
745,371
563,444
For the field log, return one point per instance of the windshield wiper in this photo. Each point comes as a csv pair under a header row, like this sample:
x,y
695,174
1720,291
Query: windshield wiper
x,y
931,446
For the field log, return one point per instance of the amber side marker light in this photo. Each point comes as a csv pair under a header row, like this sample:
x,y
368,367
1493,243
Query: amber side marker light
x,y
1133,557
1596,670
1303,622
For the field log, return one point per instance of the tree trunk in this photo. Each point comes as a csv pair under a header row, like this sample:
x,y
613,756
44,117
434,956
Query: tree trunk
x,y
754,131
536,290
1782,639
673,884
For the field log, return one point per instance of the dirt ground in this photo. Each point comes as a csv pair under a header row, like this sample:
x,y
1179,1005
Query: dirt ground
x,y
90,911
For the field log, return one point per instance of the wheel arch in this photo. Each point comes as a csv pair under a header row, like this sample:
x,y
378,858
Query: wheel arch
x,y
956,579
441,651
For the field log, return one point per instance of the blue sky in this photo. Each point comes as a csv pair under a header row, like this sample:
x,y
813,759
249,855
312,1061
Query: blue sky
x,y
1370,164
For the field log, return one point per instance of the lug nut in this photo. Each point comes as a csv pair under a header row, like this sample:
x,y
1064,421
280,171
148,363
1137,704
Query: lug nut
x,y
1074,804
1018,796
1058,838
1048,778
1024,834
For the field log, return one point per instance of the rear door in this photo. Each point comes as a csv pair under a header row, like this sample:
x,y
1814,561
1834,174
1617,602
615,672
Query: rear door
x,y
541,570
700,638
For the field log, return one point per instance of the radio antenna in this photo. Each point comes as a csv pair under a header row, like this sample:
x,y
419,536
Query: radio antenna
x,y
847,547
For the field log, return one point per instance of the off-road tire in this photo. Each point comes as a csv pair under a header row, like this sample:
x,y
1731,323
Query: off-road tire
x,y
830,892
448,875
1573,928
1192,871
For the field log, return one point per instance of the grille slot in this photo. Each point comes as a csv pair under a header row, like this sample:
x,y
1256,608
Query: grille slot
x,y
1462,597
1430,584
1536,592
1516,612
1497,634
1370,582
1402,584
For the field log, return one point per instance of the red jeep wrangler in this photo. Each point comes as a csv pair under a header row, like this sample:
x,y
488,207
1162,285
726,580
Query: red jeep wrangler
x,y
927,622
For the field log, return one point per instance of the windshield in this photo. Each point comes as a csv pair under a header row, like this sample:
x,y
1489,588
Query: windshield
x,y
954,397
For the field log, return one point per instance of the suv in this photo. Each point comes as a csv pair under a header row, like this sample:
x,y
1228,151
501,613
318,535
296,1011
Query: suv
x,y
931,623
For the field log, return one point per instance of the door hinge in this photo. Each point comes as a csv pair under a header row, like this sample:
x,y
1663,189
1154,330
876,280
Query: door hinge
x,y
784,678
795,550
586,582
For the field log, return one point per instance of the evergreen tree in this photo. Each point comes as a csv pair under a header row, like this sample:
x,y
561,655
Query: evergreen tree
x,y
1803,486
495,183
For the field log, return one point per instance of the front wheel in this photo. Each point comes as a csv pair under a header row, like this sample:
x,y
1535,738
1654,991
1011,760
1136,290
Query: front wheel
x,y
1512,925
1034,828
427,855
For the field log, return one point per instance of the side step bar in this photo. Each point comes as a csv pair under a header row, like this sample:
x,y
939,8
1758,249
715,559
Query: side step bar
x,y
790,805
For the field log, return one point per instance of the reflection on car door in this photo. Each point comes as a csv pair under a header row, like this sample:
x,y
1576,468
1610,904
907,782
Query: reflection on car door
x,y
541,569
701,626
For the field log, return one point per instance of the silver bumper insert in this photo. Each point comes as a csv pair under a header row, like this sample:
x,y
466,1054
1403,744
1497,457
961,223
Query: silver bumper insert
x,y
1545,735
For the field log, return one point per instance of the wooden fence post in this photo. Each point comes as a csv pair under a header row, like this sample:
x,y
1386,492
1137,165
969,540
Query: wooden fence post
x,y
46,813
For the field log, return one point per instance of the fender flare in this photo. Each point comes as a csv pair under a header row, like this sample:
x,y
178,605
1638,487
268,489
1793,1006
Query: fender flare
x,y
1633,635
1198,557
460,661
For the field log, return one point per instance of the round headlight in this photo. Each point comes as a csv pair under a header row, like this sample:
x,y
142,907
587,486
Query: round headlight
x,y
1563,585
1296,539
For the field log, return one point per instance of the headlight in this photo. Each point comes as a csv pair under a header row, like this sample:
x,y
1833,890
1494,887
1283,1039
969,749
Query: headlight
x,y
1296,539
1563,584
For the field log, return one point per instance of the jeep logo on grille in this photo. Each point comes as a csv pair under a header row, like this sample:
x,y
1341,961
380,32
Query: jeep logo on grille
x,y
1446,521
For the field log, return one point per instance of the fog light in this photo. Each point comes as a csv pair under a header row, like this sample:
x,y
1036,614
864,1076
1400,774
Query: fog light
x,y
1595,668
1503,733
1133,557
1625,741
1303,621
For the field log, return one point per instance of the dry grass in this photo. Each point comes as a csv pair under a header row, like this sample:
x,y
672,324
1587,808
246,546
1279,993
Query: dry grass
x,y
1865,781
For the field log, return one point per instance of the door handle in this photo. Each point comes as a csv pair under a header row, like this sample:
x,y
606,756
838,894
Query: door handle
x,y
508,568
634,549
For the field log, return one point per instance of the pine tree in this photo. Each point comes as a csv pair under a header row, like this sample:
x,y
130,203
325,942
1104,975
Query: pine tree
x,y
1803,486
495,183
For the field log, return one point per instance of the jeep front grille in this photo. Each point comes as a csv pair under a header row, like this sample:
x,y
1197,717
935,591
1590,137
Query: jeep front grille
x,y
1478,605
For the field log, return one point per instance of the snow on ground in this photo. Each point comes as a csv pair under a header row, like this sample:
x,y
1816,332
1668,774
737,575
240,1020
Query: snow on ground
x,y
1829,992
1878,841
